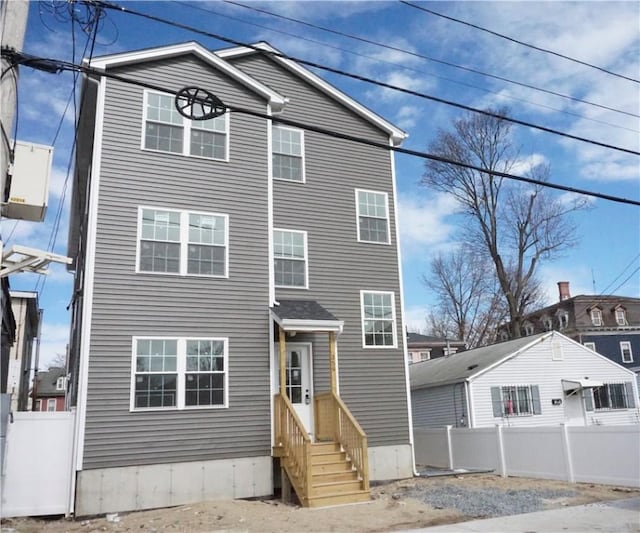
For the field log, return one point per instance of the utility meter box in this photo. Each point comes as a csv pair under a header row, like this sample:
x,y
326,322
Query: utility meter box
x,y
29,189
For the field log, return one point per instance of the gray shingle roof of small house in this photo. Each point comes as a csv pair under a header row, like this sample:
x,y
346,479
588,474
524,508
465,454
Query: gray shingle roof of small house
x,y
301,310
47,380
461,366
418,338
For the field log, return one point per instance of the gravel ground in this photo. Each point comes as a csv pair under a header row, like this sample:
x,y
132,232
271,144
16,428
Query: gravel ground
x,y
395,506
486,502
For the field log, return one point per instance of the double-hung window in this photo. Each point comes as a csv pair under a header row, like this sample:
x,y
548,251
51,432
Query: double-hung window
x,y
372,212
179,373
596,317
290,258
166,130
610,396
378,319
625,352
288,153
515,400
51,404
621,316
182,242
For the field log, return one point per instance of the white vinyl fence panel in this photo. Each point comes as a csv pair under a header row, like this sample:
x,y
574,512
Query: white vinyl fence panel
x,y
594,454
36,479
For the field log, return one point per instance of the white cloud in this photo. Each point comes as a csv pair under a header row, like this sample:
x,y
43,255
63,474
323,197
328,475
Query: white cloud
x,y
423,222
526,164
54,340
407,116
416,318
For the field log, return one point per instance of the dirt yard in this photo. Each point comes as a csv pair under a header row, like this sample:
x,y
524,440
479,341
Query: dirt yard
x,y
394,506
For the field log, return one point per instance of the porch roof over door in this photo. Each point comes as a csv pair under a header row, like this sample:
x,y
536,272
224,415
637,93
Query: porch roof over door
x,y
305,315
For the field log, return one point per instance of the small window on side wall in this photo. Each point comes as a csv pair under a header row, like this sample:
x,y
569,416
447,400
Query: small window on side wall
x,y
625,352
372,212
288,154
378,319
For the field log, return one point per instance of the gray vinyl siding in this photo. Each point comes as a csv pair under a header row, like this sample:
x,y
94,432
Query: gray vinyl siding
x,y
127,304
372,381
436,407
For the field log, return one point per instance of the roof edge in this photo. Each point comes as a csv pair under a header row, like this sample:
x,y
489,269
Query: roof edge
x,y
276,100
396,135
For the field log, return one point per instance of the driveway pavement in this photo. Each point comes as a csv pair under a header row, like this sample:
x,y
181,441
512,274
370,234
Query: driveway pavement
x,y
618,516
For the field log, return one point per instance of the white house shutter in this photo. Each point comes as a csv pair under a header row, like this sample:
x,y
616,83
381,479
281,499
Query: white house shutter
x,y
628,386
588,399
496,400
535,399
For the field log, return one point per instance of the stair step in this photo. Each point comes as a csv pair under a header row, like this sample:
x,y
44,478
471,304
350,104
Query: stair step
x,y
326,477
327,457
335,487
336,466
319,447
340,499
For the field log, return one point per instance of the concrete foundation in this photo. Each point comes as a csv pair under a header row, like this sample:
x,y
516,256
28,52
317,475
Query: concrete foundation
x,y
390,462
133,488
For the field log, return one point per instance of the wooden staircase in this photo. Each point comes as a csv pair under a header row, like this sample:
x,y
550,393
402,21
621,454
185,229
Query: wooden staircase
x,y
321,473
334,480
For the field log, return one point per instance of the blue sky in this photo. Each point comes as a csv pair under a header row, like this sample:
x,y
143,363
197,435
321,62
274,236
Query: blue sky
x,y
602,33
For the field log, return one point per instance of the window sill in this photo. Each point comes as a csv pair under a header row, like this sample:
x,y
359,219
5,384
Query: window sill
x,y
291,287
178,275
178,409
388,243
188,156
285,180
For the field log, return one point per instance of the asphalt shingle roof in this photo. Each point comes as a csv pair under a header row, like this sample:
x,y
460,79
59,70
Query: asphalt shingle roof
x,y
301,310
458,367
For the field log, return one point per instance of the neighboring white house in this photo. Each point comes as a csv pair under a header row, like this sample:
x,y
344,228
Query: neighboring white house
x,y
541,380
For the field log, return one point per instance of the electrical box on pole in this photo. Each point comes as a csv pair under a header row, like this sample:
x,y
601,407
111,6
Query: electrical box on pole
x,y
29,187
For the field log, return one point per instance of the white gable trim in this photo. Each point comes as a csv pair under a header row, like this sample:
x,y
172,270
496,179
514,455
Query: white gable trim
x,y
276,100
604,358
396,135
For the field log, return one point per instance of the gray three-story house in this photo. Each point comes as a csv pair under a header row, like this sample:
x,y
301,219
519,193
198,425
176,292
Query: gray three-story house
x,y
237,315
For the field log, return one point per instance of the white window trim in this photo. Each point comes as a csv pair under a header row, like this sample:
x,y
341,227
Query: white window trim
x,y
186,132
563,317
60,383
393,318
303,156
184,243
181,371
428,352
306,260
557,353
596,317
628,345
530,403
52,401
622,321
610,408
590,345
386,203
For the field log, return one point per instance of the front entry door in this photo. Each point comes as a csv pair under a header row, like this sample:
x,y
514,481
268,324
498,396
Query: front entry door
x,y
298,383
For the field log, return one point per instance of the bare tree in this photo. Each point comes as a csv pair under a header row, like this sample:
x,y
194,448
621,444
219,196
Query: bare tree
x,y
515,225
468,298
58,361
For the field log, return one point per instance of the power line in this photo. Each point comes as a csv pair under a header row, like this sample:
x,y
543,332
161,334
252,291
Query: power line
x,y
404,67
547,51
359,77
626,279
621,274
428,58
27,59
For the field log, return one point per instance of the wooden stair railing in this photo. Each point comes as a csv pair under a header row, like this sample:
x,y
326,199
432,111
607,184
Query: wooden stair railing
x,y
335,422
295,444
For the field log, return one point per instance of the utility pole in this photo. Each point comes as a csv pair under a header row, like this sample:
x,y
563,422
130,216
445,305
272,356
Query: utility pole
x,y
13,24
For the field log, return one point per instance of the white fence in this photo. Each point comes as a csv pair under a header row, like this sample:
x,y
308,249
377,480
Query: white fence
x,y
594,454
36,479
